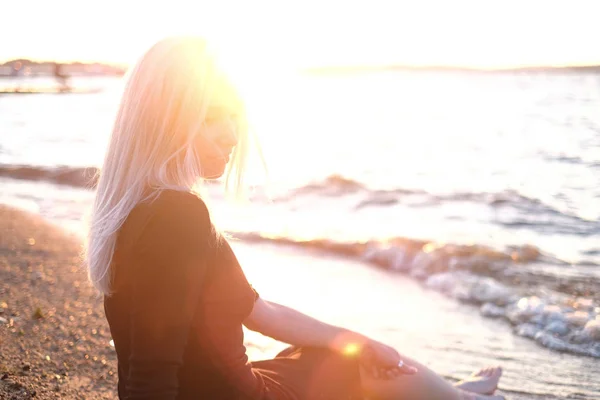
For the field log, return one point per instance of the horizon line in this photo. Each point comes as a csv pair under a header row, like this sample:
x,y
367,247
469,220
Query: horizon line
x,y
449,67
351,67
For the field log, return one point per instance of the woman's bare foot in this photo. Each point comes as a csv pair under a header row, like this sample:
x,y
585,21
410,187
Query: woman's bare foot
x,y
484,381
475,396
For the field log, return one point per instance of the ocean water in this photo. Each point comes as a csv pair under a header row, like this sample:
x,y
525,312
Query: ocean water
x,y
482,187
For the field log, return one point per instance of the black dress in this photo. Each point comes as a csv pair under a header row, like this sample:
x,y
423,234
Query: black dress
x,y
180,297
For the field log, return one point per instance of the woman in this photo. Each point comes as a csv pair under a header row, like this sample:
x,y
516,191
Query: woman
x,y
175,296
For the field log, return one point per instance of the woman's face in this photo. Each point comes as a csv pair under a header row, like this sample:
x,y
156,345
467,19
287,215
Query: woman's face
x,y
217,140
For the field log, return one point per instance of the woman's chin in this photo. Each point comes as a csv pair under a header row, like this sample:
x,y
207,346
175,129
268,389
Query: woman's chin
x,y
210,177
213,174
213,169
213,177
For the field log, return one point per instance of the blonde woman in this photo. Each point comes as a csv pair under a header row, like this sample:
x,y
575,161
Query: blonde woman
x,y
174,294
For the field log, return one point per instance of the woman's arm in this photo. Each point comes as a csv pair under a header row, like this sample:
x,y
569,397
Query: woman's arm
x,y
290,326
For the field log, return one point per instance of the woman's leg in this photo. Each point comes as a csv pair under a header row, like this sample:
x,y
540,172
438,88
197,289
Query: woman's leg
x,y
424,385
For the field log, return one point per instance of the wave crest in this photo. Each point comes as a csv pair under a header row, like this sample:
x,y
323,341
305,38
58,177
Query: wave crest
x,y
531,213
79,177
491,279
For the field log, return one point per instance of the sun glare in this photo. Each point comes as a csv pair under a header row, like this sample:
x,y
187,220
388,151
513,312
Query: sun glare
x,y
311,33
351,349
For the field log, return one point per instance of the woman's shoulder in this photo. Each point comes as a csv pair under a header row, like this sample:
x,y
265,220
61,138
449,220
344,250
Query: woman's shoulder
x,y
177,205
170,197
170,226
169,213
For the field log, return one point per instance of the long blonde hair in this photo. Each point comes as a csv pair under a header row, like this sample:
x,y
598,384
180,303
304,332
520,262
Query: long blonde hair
x,y
151,148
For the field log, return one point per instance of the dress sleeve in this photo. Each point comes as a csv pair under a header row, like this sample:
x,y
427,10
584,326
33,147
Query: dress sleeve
x,y
167,281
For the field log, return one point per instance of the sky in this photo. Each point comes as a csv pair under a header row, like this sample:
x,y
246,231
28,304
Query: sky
x,y
467,33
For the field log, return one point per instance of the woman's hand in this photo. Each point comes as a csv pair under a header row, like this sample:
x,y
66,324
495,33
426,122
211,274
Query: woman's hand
x,y
380,360
383,361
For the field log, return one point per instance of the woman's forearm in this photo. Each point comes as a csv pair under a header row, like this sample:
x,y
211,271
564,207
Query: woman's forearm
x,y
293,327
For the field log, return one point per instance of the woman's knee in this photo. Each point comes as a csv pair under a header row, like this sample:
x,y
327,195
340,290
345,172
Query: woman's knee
x,y
422,385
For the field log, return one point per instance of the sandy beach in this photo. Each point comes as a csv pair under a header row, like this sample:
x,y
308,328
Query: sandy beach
x,y
53,333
